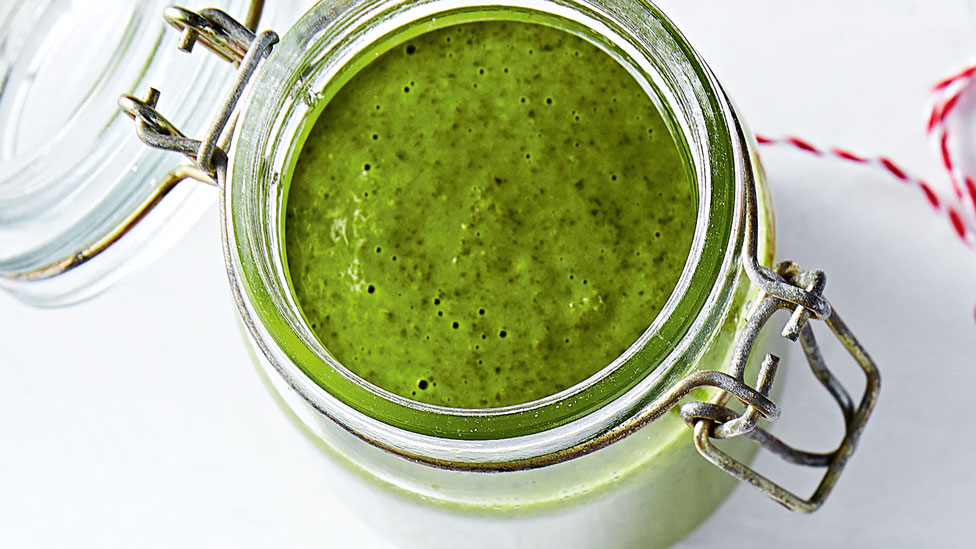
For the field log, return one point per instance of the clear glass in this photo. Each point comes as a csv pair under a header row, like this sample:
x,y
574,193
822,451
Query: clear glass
x,y
71,166
648,488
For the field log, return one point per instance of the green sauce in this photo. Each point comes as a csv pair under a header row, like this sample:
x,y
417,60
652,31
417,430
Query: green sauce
x,y
486,215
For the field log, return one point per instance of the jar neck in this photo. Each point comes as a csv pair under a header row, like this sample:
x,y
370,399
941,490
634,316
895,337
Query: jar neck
x,y
317,57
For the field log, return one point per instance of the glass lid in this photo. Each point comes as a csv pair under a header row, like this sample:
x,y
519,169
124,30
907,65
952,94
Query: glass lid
x,y
72,170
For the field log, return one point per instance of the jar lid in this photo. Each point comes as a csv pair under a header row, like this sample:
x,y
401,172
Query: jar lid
x,y
72,170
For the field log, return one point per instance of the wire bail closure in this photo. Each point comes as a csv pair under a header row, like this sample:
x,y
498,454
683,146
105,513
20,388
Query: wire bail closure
x,y
785,287
714,419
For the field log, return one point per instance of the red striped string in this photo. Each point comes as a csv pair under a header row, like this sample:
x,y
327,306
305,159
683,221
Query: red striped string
x,y
959,207
944,205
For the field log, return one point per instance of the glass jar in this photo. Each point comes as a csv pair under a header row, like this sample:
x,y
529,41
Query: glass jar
x,y
598,461
608,462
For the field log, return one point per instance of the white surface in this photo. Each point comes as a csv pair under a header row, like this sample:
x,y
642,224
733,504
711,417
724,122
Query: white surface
x,y
136,419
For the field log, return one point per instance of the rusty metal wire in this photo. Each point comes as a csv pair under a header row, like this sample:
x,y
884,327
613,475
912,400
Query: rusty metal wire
x,y
231,41
786,287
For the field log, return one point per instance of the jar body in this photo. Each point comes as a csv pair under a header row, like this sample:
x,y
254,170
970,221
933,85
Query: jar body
x,y
646,489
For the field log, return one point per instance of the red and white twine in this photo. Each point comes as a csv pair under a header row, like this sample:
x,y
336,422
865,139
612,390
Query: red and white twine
x,y
959,205
946,95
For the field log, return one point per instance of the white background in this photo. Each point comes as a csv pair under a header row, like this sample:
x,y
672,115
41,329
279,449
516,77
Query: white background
x,y
137,419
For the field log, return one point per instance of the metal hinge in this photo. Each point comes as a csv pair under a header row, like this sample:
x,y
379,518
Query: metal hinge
x,y
229,40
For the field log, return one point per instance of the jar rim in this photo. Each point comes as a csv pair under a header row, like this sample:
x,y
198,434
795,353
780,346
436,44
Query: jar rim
x,y
284,94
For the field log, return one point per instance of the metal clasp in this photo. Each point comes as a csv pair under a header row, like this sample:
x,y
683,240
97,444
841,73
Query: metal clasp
x,y
714,420
786,287
231,41
217,31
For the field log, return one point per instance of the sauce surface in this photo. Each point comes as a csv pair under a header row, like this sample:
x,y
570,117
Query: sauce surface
x,y
486,215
